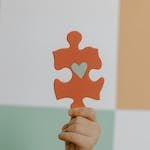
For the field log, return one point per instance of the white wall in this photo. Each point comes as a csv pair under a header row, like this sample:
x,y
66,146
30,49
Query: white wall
x,y
32,29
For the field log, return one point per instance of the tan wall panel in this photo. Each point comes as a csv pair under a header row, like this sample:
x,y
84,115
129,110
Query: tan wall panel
x,y
134,55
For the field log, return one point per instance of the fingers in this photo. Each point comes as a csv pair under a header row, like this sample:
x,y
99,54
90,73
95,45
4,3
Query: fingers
x,y
77,120
88,113
81,126
83,130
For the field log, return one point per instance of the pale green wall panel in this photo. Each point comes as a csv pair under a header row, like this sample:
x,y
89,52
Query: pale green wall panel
x,y
30,128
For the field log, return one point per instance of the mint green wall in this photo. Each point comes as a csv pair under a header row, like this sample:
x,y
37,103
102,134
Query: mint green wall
x,y
32,128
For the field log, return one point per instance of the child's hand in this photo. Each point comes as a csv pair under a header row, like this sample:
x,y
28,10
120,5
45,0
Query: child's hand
x,y
82,132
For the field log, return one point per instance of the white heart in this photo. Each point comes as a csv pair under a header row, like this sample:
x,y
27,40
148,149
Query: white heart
x,y
79,69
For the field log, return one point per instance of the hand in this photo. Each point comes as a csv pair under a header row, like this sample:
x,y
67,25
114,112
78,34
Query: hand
x,y
82,132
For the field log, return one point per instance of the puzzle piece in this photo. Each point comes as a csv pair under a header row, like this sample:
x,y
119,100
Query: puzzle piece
x,y
80,62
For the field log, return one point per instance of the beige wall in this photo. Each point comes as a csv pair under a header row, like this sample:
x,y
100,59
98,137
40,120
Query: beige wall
x,y
134,55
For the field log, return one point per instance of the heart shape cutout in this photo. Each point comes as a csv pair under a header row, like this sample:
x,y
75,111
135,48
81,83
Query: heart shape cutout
x,y
79,69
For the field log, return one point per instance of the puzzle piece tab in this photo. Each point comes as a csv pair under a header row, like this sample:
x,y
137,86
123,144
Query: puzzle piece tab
x,y
80,62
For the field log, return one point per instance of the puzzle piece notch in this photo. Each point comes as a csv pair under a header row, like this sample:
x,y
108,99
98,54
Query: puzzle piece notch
x,y
77,88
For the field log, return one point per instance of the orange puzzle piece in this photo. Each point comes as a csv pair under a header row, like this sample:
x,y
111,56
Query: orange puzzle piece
x,y
80,62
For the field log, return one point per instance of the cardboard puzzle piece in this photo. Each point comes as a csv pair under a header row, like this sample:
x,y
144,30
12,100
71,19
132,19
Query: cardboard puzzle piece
x,y
80,62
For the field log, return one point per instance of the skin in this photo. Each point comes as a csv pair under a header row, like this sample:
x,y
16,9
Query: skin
x,y
82,132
